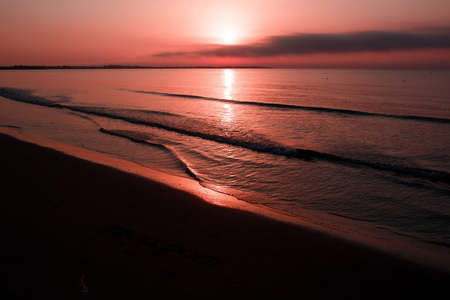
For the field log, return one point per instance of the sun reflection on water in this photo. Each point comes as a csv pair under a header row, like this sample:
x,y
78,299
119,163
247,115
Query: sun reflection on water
x,y
227,112
228,79
228,117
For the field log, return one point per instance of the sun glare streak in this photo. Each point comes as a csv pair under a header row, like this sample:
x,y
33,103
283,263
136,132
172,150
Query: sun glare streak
x,y
228,119
228,79
228,114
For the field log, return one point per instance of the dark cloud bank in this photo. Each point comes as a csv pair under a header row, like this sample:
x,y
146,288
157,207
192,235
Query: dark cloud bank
x,y
302,44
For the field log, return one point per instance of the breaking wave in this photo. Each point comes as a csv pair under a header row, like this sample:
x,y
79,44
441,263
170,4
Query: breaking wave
x,y
202,129
304,108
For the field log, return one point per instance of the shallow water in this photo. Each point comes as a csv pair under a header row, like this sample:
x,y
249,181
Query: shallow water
x,y
365,145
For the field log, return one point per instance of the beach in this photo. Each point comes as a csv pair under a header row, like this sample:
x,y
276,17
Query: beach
x,y
374,163
73,229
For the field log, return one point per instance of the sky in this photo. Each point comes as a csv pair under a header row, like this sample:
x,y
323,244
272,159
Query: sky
x,y
275,33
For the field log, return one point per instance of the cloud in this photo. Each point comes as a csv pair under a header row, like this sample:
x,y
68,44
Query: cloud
x,y
303,44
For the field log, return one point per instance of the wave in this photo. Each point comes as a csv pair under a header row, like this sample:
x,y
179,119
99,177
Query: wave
x,y
304,154
299,107
23,95
142,140
198,129
10,126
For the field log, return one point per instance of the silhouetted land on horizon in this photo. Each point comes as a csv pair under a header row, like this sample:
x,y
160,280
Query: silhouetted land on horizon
x,y
25,67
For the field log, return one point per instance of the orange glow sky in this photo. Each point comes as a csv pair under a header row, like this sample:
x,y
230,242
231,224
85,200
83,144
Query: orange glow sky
x,y
278,33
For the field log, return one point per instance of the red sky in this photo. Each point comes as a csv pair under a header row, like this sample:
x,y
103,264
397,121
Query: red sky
x,y
278,33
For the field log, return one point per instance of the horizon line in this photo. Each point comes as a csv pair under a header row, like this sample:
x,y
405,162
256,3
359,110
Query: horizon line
x,y
118,66
36,67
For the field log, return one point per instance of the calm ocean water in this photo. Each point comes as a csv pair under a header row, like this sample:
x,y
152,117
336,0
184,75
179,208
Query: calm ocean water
x,y
372,146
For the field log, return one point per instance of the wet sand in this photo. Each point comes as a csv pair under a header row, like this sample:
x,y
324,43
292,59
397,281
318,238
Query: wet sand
x,y
73,229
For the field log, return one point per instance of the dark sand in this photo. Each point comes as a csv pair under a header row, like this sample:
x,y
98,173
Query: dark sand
x,y
67,224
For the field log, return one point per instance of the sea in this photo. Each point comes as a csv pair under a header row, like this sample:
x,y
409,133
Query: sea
x,y
366,148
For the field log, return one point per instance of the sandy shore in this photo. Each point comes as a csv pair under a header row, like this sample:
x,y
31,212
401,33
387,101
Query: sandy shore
x,y
73,229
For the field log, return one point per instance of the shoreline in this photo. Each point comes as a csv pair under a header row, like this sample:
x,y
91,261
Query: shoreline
x,y
130,235
379,240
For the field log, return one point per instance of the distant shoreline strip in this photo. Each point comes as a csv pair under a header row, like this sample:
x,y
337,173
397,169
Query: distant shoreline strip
x,y
22,67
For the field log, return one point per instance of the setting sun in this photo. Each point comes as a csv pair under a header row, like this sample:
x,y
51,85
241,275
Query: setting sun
x,y
228,37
